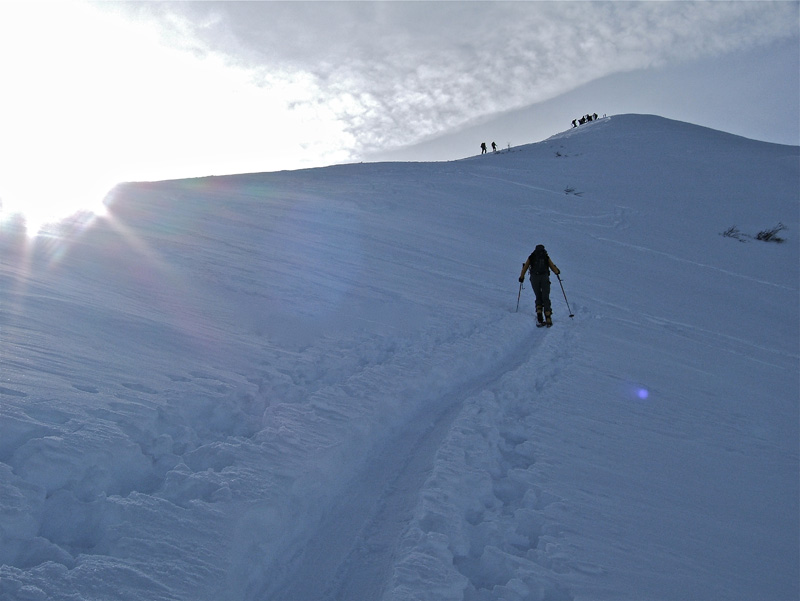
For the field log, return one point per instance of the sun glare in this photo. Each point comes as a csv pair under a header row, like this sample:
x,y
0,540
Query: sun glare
x,y
47,202
93,96
53,163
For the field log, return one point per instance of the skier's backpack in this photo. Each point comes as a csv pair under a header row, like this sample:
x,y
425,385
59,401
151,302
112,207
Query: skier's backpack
x,y
539,261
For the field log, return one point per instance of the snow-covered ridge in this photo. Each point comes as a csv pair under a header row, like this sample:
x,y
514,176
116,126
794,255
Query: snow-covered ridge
x,y
314,384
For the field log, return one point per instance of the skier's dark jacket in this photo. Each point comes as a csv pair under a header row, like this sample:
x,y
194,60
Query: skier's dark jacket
x,y
527,265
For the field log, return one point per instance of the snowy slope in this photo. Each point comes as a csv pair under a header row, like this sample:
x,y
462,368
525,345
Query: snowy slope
x,y
313,385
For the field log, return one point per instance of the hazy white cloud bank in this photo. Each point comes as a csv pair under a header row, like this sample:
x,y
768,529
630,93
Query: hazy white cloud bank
x,y
388,74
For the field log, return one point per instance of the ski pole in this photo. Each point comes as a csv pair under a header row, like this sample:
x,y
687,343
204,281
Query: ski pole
x,y
518,295
571,314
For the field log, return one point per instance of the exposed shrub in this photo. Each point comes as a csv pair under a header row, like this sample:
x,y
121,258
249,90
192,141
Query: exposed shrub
x,y
733,232
771,235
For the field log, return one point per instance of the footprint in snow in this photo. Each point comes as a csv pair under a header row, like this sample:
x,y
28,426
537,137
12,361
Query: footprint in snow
x,y
139,388
12,392
86,388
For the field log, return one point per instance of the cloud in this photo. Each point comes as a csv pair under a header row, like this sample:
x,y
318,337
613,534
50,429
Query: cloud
x,y
395,73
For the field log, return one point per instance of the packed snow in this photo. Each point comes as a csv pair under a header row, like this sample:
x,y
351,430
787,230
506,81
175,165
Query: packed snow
x,y
316,385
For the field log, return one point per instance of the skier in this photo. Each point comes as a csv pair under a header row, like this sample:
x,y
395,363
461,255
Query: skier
x,y
483,147
494,147
540,265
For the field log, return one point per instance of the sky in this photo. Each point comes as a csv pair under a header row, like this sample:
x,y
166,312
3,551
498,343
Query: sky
x,y
102,92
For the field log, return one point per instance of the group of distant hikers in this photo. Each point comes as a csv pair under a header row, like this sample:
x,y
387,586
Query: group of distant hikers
x,y
585,119
575,123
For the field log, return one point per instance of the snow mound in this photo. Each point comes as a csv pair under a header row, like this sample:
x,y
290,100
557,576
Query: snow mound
x,y
316,385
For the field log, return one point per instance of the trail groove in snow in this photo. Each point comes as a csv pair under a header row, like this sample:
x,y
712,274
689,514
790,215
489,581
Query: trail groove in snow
x,y
480,529
350,555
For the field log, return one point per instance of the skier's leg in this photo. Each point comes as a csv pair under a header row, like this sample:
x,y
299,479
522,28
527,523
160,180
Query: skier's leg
x,y
546,300
536,284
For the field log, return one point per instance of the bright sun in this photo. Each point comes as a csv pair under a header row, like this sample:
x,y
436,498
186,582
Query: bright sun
x,y
54,159
46,201
92,97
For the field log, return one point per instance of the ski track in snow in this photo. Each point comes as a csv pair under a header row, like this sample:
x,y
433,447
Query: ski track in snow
x,y
774,358
696,263
349,556
365,524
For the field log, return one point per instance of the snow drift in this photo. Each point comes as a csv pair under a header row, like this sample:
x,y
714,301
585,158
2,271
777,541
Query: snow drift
x,y
313,385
